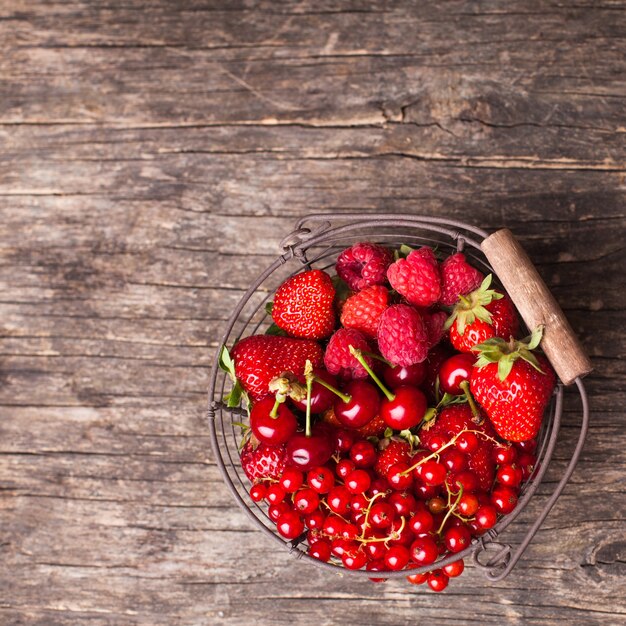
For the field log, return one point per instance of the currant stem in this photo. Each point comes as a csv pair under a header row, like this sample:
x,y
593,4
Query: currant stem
x,y
344,396
274,411
470,400
358,355
367,512
451,509
309,384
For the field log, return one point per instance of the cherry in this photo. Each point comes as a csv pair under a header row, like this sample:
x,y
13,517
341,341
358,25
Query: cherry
x,y
404,409
397,558
275,494
509,475
398,476
344,467
437,580
424,551
320,549
290,524
306,501
486,516
320,479
315,520
433,473
452,570
363,453
358,405
457,538
504,499
291,480
399,376
272,422
382,515
433,363
307,452
454,371
422,522
322,398
358,481
338,500
258,492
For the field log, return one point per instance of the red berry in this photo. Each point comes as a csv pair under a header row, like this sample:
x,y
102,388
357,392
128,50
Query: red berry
x,y
382,515
404,503
452,570
361,408
458,278
509,475
528,463
275,494
422,522
399,477
338,359
363,454
376,566
315,520
321,397
263,461
454,460
504,499
457,538
358,481
406,410
320,549
454,371
333,526
486,516
468,504
362,310
338,500
364,264
354,559
424,551
290,525
467,443
397,451
402,335
418,579
437,580
307,452
258,492
274,511
433,473
403,375
358,503
397,558
320,479
417,277
306,501
504,454
291,480
436,505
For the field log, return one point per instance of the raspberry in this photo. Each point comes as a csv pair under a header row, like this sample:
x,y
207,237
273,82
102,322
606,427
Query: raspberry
x,y
458,278
417,277
362,311
363,265
402,335
338,359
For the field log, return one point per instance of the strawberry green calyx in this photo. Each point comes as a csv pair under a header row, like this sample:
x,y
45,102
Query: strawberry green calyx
x,y
505,353
472,306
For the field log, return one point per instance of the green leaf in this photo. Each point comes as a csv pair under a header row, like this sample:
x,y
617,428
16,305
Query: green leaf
x,y
268,307
226,363
388,432
233,399
535,338
274,329
405,250
342,291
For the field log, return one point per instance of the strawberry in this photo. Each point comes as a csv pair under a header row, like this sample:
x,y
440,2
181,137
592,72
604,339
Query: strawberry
x,y
513,385
362,311
480,461
374,428
402,335
304,305
483,314
398,451
363,265
262,461
338,359
261,358
417,277
458,278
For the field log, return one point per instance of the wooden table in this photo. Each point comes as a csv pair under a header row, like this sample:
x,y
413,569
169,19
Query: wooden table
x,y
153,155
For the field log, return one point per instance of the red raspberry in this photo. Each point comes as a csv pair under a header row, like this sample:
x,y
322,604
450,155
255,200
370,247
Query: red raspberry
x,y
362,311
363,265
417,277
402,335
338,359
458,278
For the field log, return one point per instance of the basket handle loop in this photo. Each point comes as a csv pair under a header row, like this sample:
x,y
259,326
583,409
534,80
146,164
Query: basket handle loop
x,y
536,305
500,569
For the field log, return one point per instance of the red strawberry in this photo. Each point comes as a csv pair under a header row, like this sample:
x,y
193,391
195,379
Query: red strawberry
x,y
362,311
480,461
260,358
417,277
374,428
338,359
483,314
398,451
363,265
303,305
263,461
402,335
458,278
513,385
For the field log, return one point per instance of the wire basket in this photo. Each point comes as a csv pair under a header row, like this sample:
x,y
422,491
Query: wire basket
x,y
315,243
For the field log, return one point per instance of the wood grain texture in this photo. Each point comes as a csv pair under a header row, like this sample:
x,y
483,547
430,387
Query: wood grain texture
x,y
152,156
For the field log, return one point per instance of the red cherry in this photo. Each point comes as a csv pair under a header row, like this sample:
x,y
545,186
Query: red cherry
x,y
457,538
437,580
424,551
454,371
272,431
358,481
307,452
258,492
290,525
397,558
486,516
306,501
504,499
406,410
362,407
320,549
509,475
338,500
363,453
291,480
452,570
400,376
321,397
320,479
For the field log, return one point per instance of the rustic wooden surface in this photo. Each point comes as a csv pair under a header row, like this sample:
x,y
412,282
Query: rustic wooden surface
x,y
152,156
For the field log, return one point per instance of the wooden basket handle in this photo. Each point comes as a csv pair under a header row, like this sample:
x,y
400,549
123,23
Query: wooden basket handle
x,y
536,305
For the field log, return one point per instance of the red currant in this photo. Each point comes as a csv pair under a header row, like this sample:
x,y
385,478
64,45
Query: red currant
x,y
354,559
291,480
397,558
344,467
457,538
454,460
320,549
418,579
320,479
437,580
338,500
452,570
504,499
502,454
258,492
333,526
509,475
290,525
306,501
468,504
467,442
363,453
424,551
274,511
398,477
404,503
275,494
486,516
376,566
358,481
433,473
381,515
422,522
315,520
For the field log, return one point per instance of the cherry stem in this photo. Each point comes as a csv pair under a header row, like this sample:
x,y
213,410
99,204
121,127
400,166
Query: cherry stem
x,y
382,359
470,400
451,509
274,411
358,355
344,396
